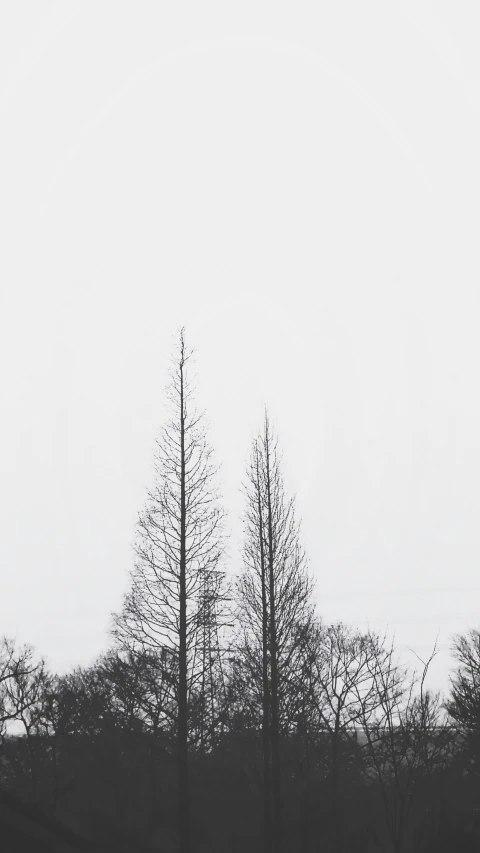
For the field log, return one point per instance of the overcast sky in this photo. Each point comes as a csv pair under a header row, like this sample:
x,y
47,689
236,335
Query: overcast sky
x,y
296,183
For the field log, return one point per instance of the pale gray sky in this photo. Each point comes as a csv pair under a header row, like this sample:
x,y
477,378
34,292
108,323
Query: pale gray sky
x,y
297,183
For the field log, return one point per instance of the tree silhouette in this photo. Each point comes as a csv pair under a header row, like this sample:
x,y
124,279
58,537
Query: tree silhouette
x,y
178,550
274,603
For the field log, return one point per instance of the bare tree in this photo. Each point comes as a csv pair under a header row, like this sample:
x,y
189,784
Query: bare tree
x,y
463,704
178,550
19,682
405,740
21,686
274,597
337,680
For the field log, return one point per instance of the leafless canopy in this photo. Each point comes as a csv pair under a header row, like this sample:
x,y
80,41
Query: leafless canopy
x,y
272,540
150,618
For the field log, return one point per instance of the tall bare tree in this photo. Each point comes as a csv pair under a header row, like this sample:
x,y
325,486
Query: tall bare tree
x,y
274,596
178,551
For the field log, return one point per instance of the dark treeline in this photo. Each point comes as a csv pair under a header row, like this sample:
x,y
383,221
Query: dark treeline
x,y
229,717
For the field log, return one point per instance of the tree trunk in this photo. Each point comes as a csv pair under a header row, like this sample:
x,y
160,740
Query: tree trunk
x,y
305,797
274,733
183,793
334,780
267,788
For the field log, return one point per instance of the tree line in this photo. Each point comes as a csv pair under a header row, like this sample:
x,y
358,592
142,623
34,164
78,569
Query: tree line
x,y
227,715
